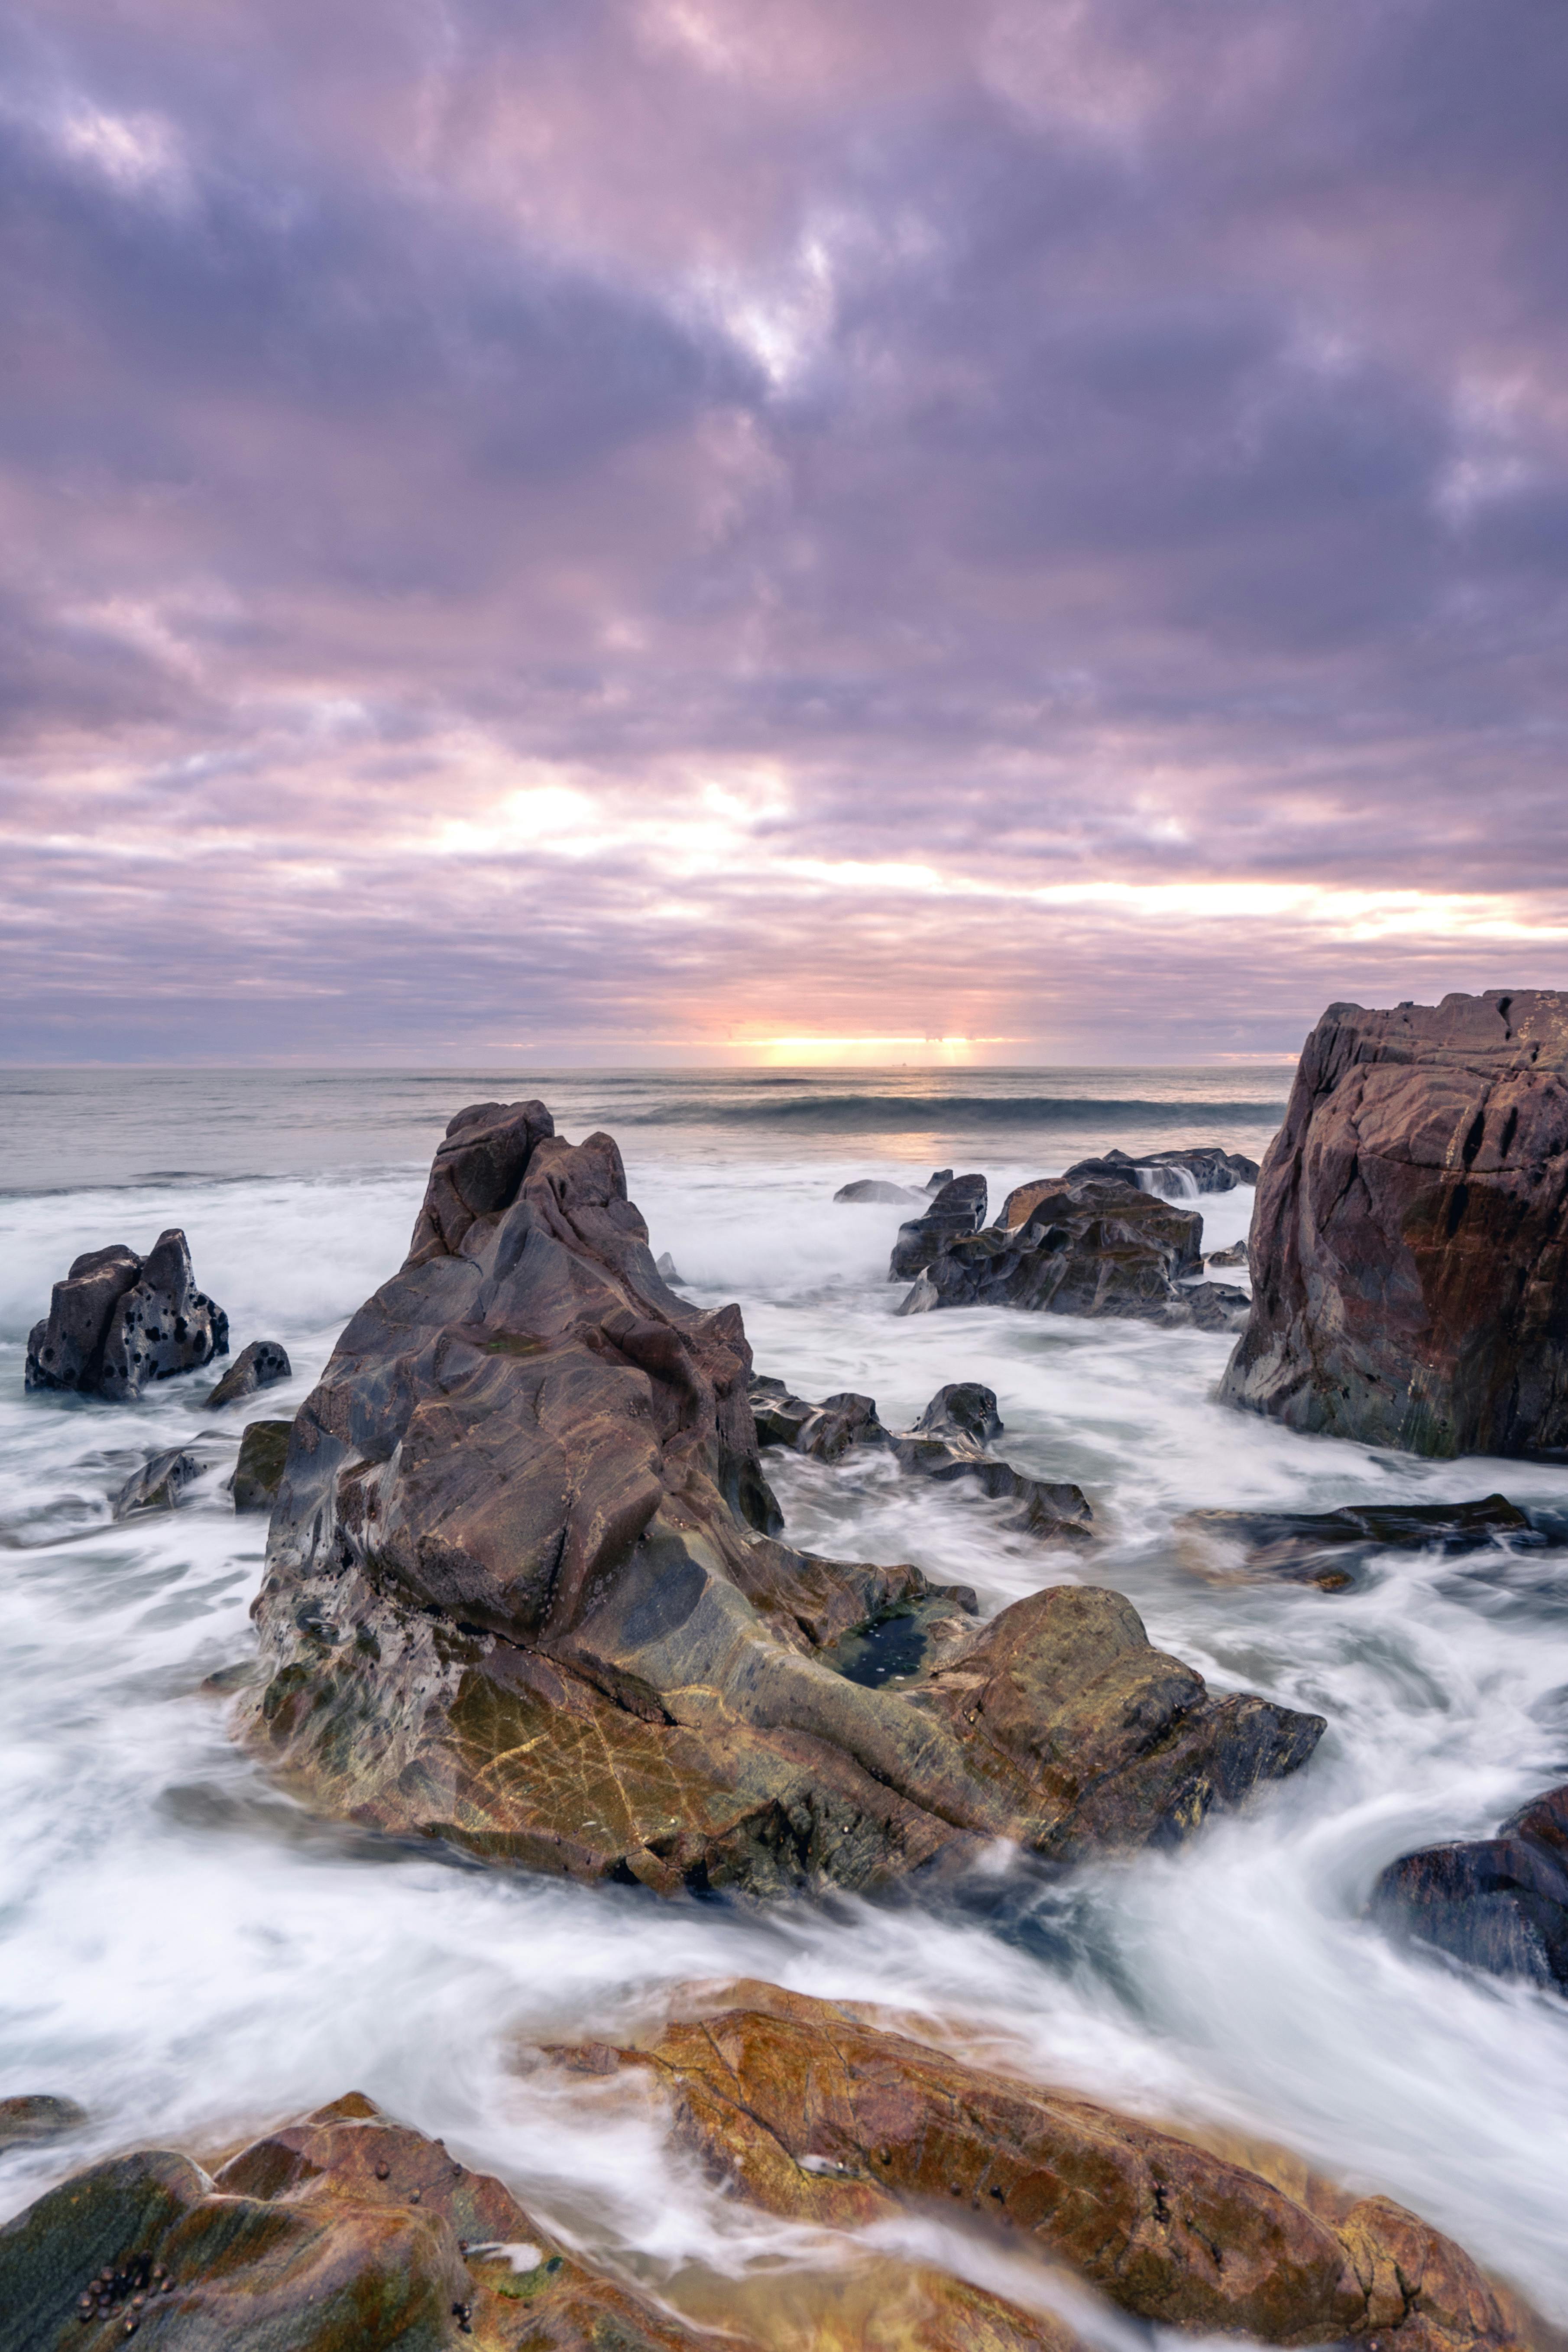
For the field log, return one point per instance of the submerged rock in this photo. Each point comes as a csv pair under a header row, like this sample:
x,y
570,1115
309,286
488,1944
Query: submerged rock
x,y
1273,1536
965,1409
1410,1238
258,1472
1499,1904
158,1484
344,2230
1099,1248
118,1321
260,1366
1235,1255
1176,1175
665,1266
39,2115
877,1187
959,1208
523,1591
811,2113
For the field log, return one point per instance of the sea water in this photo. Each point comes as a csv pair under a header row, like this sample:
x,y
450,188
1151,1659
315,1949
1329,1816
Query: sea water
x,y
191,1954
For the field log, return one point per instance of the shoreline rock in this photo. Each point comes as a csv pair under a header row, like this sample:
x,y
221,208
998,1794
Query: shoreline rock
x,y
1498,1903
1410,1236
118,1321
958,1207
523,1591
1203,1167
260,1366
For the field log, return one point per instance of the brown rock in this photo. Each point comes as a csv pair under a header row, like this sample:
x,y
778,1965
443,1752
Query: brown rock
x,y
522,1591
813,2113
1100,1247
1410,1238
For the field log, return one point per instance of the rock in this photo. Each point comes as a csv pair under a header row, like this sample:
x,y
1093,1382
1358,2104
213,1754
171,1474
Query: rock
x,y
665,1266
1235,1255
937,1180
803,2108
1272,1536
260,1366
158,1484
344,2230
1175,1175
1096,1249
1499,1904
1210,1307
877,1188
39,2115
963,1409
1410,1237
942,1445
258,1472
959,1208
118,1321
523,1591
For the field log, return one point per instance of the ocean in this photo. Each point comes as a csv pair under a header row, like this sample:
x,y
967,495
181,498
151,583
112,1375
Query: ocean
x,y
191,1954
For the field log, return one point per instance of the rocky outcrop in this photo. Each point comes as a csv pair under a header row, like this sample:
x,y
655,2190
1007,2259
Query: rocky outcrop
x,y
1499,1904
523,1591
1293,1540
260,1366
959,1207
1099,1249
877,1189
346,2230
1410,1237
158,1484
258,1472
1176,1175
944,1444
118,1321
802,2107
1237,1254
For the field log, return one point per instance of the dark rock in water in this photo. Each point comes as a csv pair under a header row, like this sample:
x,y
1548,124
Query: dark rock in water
x,y
118,1321
964,1410
959,1208
877,1188
937,1180
947,1443
1235,1255
344,2230
1211,1305
258,1472
158,1484
1410,1238
38,2116
828,2120
1303,1545
1096,1249
664,1267
522,1592
260,1366
1499,1904
1176,1175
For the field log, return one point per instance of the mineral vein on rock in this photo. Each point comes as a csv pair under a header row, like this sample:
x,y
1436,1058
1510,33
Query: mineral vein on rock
x,y
524,1589
1410,1238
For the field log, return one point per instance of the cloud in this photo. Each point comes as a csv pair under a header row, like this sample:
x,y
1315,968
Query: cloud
x,y
641,526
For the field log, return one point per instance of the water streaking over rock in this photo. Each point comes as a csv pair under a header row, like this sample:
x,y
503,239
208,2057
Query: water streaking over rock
x,y
191,1955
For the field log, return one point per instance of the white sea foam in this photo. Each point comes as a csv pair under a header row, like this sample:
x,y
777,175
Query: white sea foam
x,y
189,1954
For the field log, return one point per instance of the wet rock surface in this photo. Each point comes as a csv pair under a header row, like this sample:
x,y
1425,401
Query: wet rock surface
x,y
1207,1167
344,2232
34,2115
258,1472
1099,1249
1499,1904
119,1322
877,1187
808,2111
1410,1238
957,1207
158,1484
524,1591
260,1366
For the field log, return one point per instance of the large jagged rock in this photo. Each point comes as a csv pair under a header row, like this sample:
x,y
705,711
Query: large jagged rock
x,y
1410,1238
1103,1248
1499,1904
804,2108
523,1591
118,1321
957,1207
344,2232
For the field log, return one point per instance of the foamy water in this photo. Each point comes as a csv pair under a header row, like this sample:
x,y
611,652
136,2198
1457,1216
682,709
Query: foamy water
x,y
190,1955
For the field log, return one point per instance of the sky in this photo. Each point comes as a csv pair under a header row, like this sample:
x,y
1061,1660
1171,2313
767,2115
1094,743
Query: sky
x,y
728,530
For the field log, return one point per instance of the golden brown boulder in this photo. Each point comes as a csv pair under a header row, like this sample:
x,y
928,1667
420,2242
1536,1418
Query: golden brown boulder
x,y
811,2113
